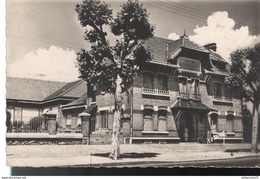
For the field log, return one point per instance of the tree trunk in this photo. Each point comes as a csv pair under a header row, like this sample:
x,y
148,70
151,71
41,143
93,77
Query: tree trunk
x,y
255,129
115,150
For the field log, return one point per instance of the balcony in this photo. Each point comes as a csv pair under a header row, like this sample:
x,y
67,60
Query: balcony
x,y
196,97
156,92
222,99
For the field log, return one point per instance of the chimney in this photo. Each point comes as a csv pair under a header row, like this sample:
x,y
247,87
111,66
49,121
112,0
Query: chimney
x,y
211,46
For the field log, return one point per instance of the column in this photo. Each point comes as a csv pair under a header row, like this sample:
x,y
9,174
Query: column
x,y
85,126
51,117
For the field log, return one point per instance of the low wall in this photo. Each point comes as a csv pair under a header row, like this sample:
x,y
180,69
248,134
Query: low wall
x,y
58,139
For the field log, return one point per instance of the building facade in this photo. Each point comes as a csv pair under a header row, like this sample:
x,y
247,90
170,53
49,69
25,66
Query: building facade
x,y
27,100
179,96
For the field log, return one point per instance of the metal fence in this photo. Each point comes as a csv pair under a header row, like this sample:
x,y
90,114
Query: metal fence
x,y
28,124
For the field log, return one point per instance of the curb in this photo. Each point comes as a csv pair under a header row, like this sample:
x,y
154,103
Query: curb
x,y
128,164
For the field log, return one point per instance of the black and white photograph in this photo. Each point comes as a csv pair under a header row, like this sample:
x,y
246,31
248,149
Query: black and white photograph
x,y
132,83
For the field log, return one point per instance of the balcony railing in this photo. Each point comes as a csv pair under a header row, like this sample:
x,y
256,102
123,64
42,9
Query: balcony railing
x,y
184,95
156,92
223,99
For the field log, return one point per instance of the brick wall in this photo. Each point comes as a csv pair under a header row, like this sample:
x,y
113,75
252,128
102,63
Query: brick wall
x,y
206,91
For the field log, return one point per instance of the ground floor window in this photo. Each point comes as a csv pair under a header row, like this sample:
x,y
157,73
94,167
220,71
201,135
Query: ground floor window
x,y
93,124
104,119
230,123
162,119
148,115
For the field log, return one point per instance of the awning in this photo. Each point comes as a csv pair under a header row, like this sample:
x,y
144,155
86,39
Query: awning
x,y
90,108
189,104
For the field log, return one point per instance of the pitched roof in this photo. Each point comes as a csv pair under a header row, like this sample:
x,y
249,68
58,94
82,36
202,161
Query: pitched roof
x,y
73,89
80,101
30,89
184,42
216,57
158,46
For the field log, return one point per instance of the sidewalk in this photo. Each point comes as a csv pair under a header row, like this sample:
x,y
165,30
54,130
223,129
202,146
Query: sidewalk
x,y
97,155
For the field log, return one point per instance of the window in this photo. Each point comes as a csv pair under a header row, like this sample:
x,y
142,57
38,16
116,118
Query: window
x,y
162,119
148,80
162,82
93,123
227,92
217,89
148,119
104,119
195,86
183,85
230,123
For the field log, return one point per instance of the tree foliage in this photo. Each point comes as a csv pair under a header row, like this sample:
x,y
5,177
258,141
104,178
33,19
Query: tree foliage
x,y
245,73
105,61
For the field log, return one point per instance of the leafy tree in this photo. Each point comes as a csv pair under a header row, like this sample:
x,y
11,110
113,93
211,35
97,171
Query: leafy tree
x,y
115,65
245,74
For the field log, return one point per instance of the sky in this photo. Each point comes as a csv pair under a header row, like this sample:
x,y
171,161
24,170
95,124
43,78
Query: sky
x,y
43,36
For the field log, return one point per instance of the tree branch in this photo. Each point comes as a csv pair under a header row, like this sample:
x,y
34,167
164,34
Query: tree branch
x,y
252,86
100,32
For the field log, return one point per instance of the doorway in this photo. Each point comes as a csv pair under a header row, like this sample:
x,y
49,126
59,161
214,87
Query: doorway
x,y
188,127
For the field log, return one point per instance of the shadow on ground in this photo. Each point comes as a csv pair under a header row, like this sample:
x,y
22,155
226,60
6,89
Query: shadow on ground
x,y
129,155
239,150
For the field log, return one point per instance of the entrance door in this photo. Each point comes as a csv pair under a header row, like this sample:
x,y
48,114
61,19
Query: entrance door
x,y
188,127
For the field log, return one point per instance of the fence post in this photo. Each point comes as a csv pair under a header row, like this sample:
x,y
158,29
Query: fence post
x,y
51,117
85,126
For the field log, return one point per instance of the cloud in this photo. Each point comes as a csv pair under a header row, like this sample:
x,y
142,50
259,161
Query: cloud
x,y
55,64
173,36
220,29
